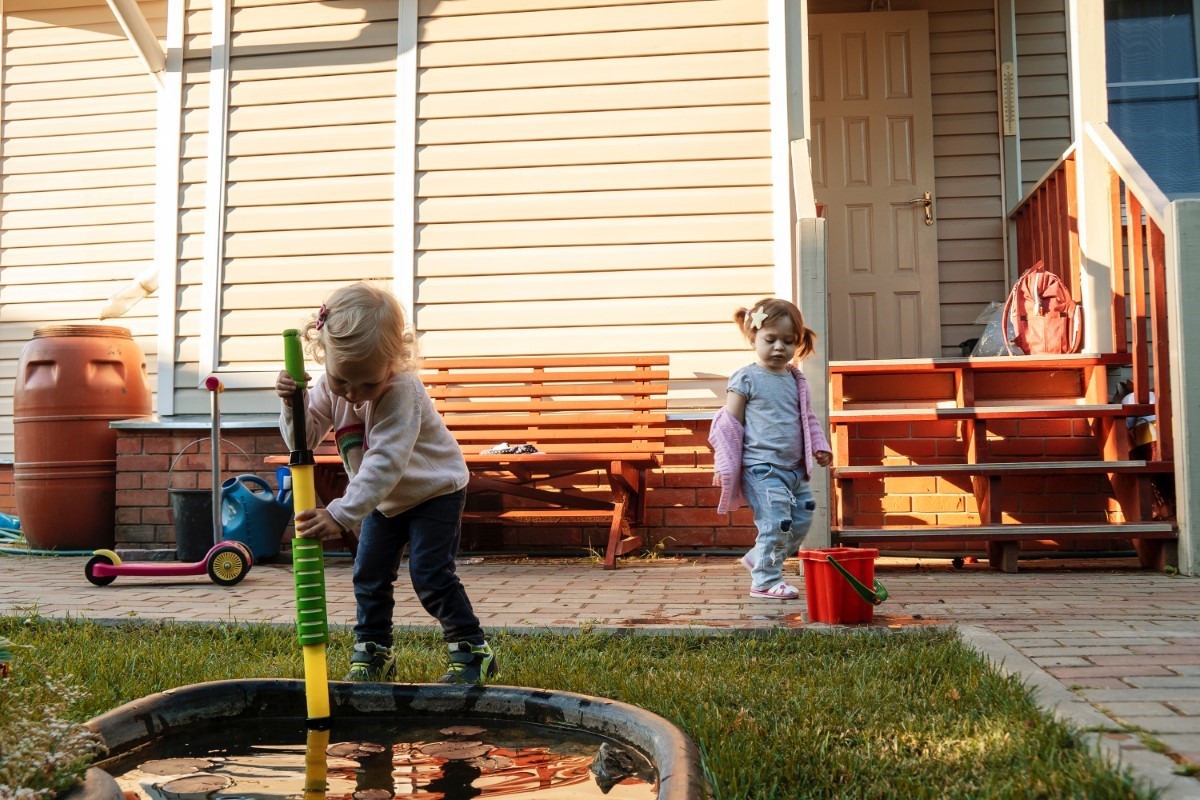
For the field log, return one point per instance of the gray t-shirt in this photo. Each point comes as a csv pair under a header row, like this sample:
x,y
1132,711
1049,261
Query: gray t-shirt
x,y
772,417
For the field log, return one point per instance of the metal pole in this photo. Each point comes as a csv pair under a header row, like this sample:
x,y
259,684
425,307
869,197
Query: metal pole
x,y
213,384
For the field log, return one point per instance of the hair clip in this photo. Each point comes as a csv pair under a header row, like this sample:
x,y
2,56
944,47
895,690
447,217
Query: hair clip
x,y
321,315
758,317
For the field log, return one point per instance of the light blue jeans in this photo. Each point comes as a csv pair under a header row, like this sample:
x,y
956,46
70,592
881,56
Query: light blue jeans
x,y
783,507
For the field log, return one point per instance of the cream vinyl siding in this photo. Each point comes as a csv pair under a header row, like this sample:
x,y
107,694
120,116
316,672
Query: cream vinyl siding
x,y
309,172
593,177
77,122
1043,97
968,187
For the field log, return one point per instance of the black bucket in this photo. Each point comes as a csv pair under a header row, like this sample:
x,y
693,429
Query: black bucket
x,y
192,510
193,513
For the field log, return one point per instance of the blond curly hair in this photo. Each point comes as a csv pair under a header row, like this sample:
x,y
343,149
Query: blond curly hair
x,y
362,322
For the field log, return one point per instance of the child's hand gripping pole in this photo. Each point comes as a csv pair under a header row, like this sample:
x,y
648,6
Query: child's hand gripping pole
x,y
308,561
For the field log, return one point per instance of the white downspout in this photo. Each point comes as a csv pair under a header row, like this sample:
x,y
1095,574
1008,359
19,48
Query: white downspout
x,y
137,31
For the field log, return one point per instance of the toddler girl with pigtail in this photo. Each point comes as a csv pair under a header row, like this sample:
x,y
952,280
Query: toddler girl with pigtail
x,y
407,475
766,441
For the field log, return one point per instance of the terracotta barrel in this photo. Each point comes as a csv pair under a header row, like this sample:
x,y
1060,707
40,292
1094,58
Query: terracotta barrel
x,y
72,381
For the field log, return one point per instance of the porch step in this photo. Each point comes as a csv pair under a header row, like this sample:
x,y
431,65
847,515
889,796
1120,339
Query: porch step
x,y
1154,541
975,395
933,413
1015,532
1000,468
990,363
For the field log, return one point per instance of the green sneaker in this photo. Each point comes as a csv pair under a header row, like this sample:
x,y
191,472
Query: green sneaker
x,y
470,663
371,663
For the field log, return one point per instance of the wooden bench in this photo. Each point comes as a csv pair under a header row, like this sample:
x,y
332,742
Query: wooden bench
x,y
603,414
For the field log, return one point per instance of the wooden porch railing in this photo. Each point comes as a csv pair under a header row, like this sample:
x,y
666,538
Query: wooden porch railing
x,y
1139,278
1047,224
1047,229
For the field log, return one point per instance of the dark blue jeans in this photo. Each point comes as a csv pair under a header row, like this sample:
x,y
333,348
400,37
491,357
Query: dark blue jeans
x,y
431,531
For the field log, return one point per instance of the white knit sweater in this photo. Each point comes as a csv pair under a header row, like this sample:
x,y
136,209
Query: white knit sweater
x,y
396,450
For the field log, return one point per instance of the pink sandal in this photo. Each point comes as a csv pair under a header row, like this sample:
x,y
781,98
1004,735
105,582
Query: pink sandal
x,y
746,562
780,591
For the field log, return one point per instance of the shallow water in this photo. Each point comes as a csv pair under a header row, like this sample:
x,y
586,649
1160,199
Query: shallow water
x,y
379,759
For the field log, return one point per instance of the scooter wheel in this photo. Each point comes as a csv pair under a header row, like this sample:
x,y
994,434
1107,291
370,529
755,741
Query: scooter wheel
x,y
93,578
227,565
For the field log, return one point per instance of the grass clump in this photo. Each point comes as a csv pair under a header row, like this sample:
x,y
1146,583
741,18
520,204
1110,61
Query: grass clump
x,y
784,715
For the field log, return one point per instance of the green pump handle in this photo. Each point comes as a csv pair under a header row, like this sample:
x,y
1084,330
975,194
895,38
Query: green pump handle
x,y
873,597
293,357
307,554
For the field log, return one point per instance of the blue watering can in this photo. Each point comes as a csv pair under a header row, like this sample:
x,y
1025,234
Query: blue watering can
x,y
257,518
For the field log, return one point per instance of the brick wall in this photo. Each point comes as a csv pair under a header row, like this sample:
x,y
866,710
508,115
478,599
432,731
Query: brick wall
x,y
144,474
8,500
950,501
681,505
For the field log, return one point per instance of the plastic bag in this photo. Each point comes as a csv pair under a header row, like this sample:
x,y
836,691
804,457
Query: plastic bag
x,y
991,341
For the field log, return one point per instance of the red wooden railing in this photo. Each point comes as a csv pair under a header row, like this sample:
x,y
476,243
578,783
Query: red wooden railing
x,y
1139,294
1046,222
1047,229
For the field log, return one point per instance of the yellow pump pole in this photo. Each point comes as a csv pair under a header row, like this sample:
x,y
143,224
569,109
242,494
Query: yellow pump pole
x,y
308,567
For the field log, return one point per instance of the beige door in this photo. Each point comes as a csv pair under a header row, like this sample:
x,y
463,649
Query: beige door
x,y
872,163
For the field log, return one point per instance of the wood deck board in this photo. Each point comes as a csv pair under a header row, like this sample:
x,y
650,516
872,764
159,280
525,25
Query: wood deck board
x,y
1001,468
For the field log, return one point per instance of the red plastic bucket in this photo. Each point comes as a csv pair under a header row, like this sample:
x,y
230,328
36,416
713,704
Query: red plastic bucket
x,y
830,596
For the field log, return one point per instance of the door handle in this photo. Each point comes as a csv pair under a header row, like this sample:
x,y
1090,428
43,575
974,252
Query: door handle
x,y
927,201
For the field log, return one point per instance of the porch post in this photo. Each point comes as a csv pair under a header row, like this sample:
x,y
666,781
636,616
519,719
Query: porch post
x,y
799,235
1182,234
810,234
1089,103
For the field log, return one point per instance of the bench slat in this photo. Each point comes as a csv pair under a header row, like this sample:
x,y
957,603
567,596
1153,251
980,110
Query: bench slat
x,y
656,360
556,432
448,407
601,450
535,516
597,460
635,419
541,376
536,389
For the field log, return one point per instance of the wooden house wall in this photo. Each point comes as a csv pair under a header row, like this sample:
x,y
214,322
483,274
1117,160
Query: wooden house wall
x,y
968,187
593,178
77,130
1043,99
308,176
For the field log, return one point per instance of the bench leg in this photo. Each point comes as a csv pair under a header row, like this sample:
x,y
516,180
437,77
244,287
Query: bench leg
x,y
620,537
1003,555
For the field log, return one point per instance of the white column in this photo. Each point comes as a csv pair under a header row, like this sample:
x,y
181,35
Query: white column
x,y
1182,233
1089,103
810,233
166,202
404,279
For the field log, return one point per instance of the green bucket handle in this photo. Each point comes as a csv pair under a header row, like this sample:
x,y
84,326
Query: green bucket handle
x,y
873,597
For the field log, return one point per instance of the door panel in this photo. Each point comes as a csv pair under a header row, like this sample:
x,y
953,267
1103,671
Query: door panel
x,y
872,155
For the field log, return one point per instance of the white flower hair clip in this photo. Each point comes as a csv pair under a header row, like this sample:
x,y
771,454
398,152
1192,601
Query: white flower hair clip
x,y
757,318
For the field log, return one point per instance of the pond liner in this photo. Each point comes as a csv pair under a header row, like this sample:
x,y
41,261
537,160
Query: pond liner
x,y
171,712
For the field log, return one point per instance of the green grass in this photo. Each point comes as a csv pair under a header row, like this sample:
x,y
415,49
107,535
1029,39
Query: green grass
x,y
786,715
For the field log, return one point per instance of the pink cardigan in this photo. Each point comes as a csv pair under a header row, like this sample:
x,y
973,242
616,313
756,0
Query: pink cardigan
x,y
726,435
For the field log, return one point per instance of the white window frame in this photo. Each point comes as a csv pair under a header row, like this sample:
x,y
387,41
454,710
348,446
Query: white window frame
x,y
403,220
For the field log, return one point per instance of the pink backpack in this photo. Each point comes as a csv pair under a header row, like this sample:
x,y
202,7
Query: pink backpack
x,y
1041,316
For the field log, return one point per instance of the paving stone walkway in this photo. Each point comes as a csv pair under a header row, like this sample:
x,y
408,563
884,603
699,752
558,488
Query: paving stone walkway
x,y
1108,646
